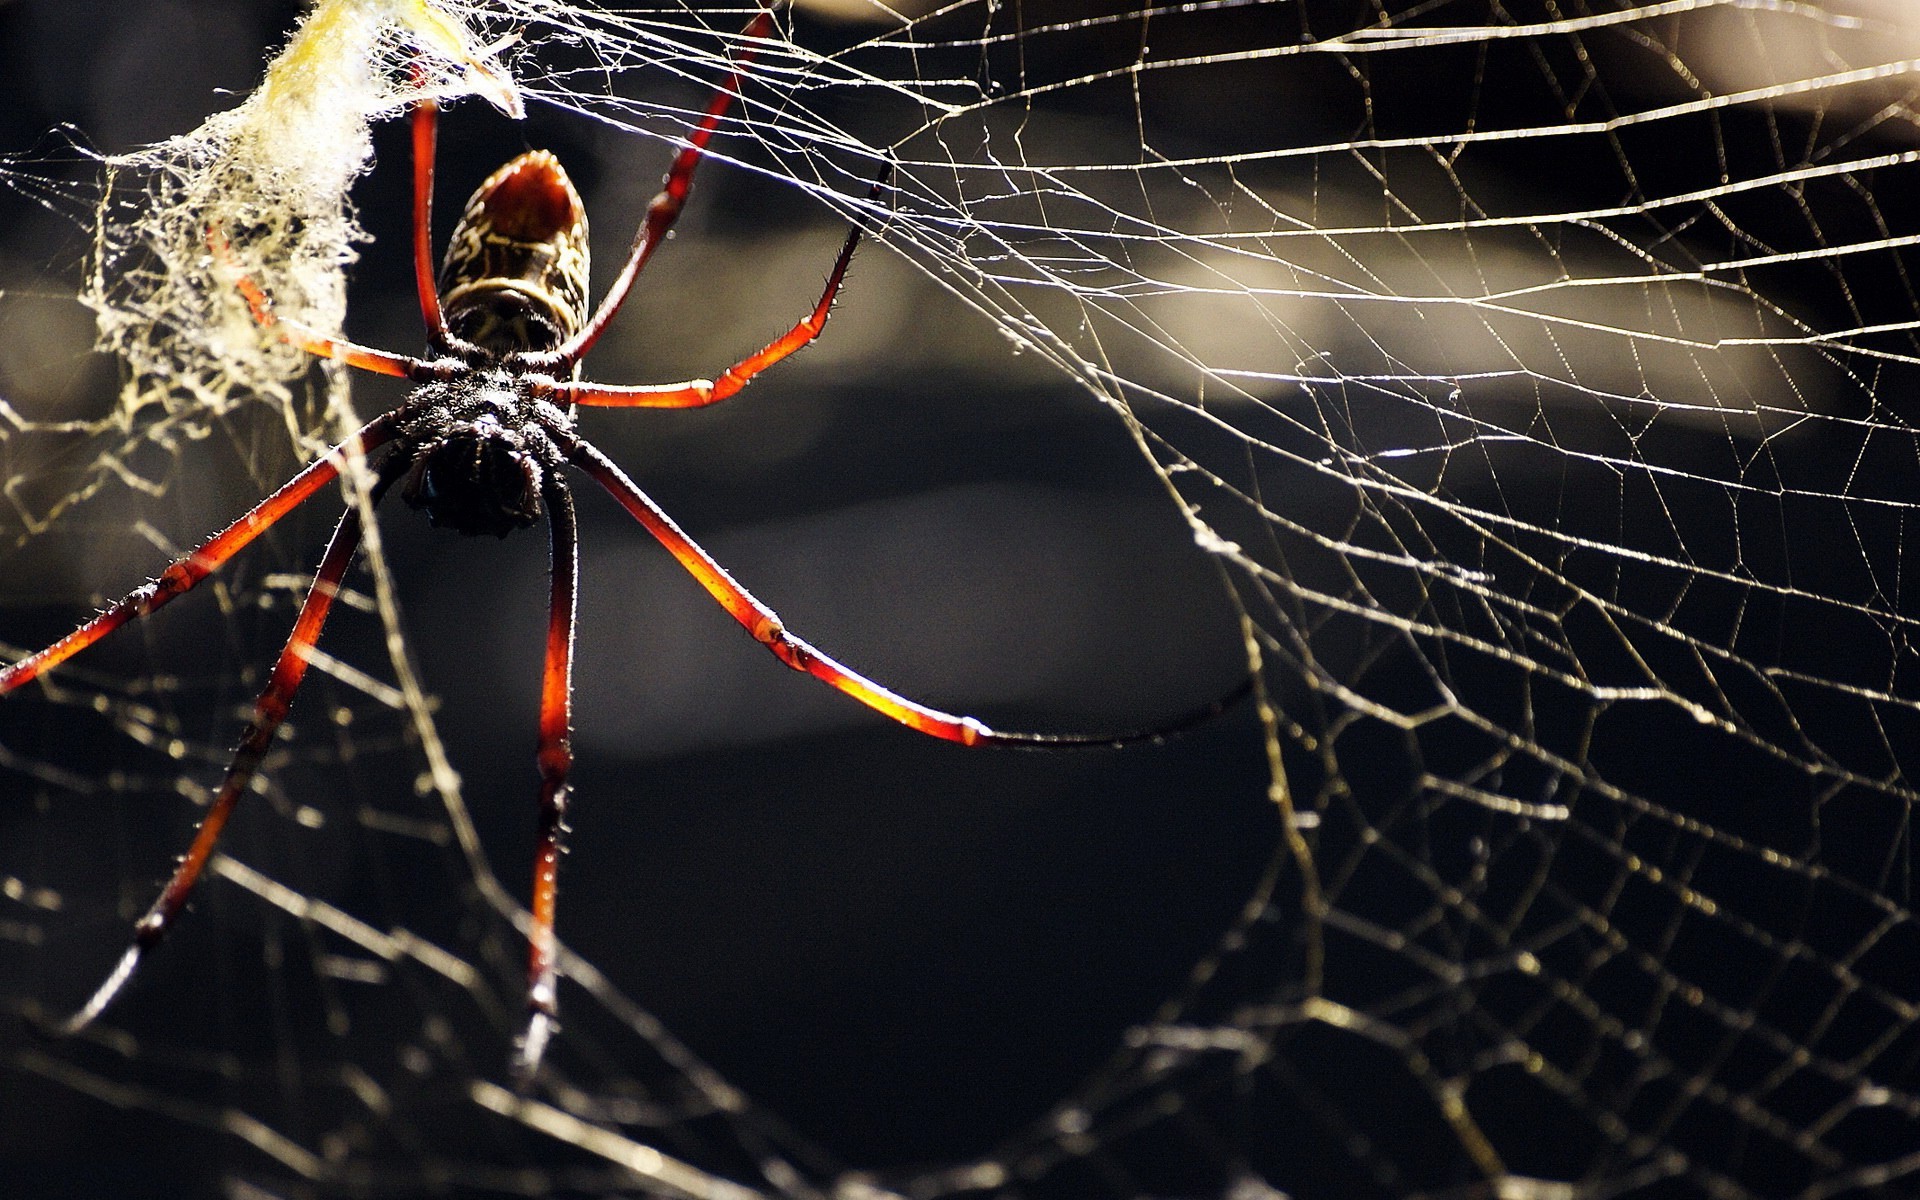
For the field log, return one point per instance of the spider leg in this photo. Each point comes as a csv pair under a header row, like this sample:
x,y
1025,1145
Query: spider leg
x,y
697,392
556,761
665,207
182,575
380,362
425,125
268,712
766,627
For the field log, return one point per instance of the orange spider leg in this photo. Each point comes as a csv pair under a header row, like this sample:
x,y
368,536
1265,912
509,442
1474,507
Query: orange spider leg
x,y
756,617
182,575
767,628
268,712
697,392
556,762
665,207
380,362
425,125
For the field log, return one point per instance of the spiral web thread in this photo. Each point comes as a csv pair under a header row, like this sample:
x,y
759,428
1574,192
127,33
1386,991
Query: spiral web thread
x,y
1537,375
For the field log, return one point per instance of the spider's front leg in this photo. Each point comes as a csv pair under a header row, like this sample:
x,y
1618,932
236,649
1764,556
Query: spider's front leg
x,y
556,762
268,712
185,573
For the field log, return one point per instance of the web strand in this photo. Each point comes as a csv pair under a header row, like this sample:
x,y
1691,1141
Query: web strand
x,y
1536,378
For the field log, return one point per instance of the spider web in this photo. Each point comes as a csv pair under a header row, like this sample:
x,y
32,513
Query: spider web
x,y
1530,379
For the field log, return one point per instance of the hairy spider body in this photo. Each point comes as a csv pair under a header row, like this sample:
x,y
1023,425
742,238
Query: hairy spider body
x,y
480,455
514,280
480,445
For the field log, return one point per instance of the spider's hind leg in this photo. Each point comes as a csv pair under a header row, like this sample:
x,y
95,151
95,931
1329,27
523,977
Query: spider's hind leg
x,y
664,209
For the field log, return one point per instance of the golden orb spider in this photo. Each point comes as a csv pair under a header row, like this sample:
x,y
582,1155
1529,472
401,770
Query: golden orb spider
x,y
478,445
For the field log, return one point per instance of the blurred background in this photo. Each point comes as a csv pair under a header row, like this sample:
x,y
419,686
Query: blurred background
x,y
1532,380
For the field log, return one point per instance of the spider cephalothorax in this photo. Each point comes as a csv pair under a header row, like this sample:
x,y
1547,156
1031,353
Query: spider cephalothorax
x,y
479,451
480,444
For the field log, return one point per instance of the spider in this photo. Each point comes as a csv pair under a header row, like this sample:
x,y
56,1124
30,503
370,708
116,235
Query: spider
x,y
479,445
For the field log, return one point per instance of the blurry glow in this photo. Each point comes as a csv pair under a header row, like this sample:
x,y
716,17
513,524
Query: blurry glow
x,y
1571,320
1843,59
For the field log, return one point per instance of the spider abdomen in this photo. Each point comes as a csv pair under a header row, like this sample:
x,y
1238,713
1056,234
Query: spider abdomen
x,y
515,274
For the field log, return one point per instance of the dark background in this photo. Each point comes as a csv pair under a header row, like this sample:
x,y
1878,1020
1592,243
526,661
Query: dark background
x,y
1587,610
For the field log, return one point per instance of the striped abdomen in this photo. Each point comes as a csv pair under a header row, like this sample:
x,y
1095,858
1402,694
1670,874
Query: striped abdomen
x,y
515,274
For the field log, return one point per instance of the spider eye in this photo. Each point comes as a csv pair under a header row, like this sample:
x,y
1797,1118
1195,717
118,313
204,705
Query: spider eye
x,y
515,274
